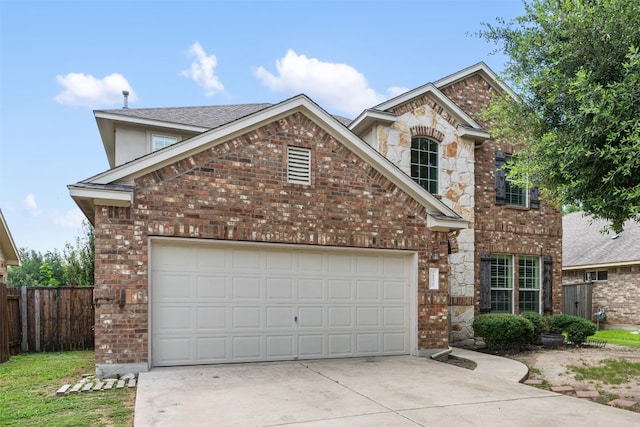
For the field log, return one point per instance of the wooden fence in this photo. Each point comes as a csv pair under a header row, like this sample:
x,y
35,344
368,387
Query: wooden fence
x,y
4,324
576,300
43,319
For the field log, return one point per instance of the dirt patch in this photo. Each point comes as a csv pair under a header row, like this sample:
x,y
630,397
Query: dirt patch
x,y
553,368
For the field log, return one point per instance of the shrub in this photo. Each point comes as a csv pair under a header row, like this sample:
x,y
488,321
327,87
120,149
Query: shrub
x,y
503,329
539,325
577,328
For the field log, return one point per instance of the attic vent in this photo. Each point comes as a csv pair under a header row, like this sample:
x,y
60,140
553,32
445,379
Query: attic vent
x,y
298,165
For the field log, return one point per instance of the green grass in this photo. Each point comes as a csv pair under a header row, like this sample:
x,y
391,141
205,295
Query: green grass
x,y
28,385
619,337
610,371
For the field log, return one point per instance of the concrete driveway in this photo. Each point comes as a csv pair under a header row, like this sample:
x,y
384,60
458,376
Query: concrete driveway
x,y
383,391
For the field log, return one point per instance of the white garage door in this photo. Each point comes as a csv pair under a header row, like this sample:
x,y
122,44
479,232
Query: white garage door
x,y
218,303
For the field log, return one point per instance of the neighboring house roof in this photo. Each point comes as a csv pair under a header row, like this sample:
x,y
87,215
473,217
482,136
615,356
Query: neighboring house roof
x,y
584,246
7,246
114,186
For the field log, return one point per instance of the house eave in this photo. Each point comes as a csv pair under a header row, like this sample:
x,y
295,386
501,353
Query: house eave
x,y
8,246
600,265
446,223
88,196
369,118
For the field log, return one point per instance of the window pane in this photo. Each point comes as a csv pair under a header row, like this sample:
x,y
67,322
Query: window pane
x,y
502,283
514,195
424,163
160,141
529,301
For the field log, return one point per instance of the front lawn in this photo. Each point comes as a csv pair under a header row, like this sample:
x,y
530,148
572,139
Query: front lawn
x,y
619,337
28,385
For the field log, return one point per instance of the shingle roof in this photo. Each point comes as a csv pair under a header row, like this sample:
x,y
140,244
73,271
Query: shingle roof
x,y
584,244
206,116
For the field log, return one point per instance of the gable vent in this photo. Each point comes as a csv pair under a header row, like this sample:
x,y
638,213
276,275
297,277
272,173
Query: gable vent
x,y
298,165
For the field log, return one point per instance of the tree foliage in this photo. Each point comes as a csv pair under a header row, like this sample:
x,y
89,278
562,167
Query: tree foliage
x,y
74,267
575,67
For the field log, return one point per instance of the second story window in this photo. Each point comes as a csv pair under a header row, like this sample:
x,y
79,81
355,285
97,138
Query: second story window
x,y
424,163
510,193
158,142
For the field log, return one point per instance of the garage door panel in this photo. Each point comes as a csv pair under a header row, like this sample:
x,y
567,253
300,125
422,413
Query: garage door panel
x,y
367,290
211,318
280,347
394,317
246,317
311,346
173,350
367,317
172,318
247,348
247,288
211,259
340,345
394,291
171,287
340,317
311,317
394,342
280,317
367,264
310,289
368,344
280,288
220,303
212,287
279,262
340,290
212,349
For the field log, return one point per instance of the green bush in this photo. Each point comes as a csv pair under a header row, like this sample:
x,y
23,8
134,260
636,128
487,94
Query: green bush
x,y
503,329
576,328
539,325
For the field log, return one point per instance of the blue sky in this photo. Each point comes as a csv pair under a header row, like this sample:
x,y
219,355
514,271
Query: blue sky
x,y
60,60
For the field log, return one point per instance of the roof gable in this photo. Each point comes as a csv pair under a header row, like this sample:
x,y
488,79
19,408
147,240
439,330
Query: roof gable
x,y
115,185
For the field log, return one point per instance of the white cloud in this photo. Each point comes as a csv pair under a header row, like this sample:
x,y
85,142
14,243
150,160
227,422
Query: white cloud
x,y
202,70
84,90
397,90
31,206
334,86
69,219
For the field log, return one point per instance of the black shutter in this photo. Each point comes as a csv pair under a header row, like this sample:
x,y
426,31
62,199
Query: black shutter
x,y
534,201
501,181
485,282
547,284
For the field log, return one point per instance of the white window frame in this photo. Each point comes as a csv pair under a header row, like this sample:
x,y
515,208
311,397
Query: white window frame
x,y
537,278
509,278
595,276
166,141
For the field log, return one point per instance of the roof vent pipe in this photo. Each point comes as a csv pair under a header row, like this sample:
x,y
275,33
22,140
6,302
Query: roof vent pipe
x,y
126,99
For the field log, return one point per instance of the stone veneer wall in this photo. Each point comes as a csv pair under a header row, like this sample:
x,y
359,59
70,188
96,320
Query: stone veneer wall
x,y
424,117
238,191
620,293
3,268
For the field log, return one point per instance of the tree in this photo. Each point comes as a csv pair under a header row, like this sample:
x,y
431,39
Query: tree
x,y
73,268
80,258
575,67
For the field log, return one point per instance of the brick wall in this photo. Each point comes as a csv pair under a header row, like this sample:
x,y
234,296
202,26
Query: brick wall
x,y
620,293
238,191
504,229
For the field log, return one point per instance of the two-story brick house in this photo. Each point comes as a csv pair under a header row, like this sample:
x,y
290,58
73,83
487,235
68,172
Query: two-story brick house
x,y
276,232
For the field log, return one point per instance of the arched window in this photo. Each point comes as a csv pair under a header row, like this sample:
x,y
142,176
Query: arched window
x,y
424,163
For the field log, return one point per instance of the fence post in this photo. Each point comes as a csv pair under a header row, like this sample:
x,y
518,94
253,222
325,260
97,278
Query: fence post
x,y
36,309
23,317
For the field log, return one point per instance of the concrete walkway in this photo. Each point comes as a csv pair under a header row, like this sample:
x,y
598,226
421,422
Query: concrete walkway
x,y
398,391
